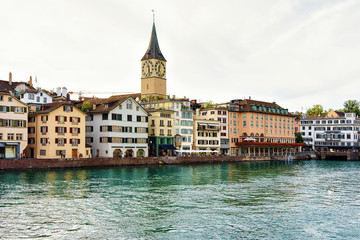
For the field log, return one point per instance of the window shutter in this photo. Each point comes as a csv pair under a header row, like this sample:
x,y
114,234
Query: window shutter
x,y
64,108
65,119
79,120
78,141
47,140
70,119
71,140
56,140
47,117
71,108
47,128
78,130
64,129
71,130
56,129
65,141
56,118
25,110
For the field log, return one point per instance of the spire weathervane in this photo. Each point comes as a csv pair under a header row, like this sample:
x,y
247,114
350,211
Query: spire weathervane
x,y
153,11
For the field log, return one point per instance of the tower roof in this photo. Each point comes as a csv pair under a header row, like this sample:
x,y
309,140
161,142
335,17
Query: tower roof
x,y
153,50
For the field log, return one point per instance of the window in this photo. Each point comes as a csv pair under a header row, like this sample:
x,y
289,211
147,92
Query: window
x,y
152,123
59,152
128,104
42,152
162,123
67,108
129,118
105,116
10,136
37,99
1,98
169,124
244,116
10,99
117,117
1,136
45,100
19,137
31,96
138,118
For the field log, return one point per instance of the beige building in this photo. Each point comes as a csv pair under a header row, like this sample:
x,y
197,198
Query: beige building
x,y
58,130
153,69
13,126
206,135
161,132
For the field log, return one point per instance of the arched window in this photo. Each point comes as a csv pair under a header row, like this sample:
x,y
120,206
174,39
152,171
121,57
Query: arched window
x,y
129,104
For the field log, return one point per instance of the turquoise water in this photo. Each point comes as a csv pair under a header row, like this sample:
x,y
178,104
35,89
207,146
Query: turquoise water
x,y
271,200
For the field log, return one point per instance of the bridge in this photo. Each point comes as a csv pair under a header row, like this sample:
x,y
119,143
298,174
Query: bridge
x,y
347,155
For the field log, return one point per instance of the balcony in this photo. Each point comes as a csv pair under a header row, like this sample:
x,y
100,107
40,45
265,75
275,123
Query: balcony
x,y
75,122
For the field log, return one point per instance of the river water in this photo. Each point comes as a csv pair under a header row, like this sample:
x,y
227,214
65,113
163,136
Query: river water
x,y
268,200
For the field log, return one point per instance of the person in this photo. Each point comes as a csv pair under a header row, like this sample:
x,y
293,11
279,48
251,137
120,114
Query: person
x,y
23,155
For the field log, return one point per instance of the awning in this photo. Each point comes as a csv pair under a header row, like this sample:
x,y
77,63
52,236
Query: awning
x,y
2,145
12,144
167,147
213,124
202,124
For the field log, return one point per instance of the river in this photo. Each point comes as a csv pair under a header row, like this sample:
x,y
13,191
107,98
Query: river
x,y
260,200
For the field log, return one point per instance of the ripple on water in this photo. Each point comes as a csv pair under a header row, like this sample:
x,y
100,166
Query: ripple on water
x,y
305,200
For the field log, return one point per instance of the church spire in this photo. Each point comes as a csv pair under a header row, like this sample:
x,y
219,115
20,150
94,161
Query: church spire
x,y
153,50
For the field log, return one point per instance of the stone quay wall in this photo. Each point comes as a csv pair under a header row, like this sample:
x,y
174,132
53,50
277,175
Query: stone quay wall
x,y
108,162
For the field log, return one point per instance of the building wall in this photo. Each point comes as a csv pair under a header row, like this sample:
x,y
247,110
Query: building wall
x,y
115,149
204,139
19,133
38,98
261,126
46,126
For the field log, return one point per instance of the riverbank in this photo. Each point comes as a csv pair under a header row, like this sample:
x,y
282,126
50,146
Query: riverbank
x,y
107,162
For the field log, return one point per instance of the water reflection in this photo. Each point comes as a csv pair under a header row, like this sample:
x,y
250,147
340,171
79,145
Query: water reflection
x,y
244,200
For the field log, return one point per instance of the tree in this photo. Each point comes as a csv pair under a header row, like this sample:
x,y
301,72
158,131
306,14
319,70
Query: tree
x,y
299,138
352,106
317,109
209,104
86,106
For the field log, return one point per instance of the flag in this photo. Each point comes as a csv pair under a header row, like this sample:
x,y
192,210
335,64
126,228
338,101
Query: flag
x,y
35,79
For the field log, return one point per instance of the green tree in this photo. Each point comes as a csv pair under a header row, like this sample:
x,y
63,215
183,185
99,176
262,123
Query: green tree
x,y
352,106
209,104
299,138
86,106
317,109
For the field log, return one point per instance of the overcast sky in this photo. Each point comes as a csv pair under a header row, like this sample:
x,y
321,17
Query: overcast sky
x,y
295,52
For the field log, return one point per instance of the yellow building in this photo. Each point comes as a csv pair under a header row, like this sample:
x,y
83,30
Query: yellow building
x,y
13,123
58,130
206,135
161,132
153,69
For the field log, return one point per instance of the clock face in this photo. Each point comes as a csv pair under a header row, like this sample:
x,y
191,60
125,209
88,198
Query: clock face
x,y
160,69
147,68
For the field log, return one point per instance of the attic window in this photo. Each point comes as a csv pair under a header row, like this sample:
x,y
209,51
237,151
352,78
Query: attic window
x,y
120,106
106,105
128,104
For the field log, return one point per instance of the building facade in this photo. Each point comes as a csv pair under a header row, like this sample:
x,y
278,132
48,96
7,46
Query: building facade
x,y
13,126
206,136
161,132
337,131
260,128
117,127
221,115
57,131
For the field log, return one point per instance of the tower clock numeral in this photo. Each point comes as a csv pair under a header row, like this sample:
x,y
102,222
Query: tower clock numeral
x,y
160,69
147,68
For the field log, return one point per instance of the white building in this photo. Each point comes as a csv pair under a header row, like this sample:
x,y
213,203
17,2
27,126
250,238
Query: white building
x,y
219,114
336,131
117,125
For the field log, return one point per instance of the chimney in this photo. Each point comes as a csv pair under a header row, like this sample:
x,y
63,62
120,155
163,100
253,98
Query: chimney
x,y
249,97
58,91
30,81
64,91
10,78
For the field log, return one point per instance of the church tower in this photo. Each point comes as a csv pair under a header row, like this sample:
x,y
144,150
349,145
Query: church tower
x,y
153,69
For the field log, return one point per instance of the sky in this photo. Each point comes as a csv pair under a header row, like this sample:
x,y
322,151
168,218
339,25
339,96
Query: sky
x,y
295,52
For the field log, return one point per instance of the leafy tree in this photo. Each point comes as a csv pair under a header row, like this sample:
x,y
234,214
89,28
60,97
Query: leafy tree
x,y
352,106
86,106
209,104
317,109
299,138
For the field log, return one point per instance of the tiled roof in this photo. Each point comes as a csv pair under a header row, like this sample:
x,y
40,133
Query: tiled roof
x,y
6,87
111,102
46,108
249,105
